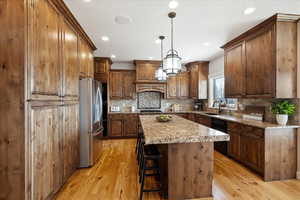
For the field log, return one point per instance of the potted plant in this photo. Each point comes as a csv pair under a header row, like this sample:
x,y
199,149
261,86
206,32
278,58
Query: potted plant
x,y
282,110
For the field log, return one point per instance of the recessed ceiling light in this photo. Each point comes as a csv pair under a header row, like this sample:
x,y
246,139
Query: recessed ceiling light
x,y
113,56
150,58
87,0
173,4
249,11
105,38
206,43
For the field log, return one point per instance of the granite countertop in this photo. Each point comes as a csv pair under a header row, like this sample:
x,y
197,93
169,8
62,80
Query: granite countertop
x,y
259,124
178,130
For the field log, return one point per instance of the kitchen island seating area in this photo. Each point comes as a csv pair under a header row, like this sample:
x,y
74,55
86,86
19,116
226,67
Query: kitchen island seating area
x,y
186,155
148,158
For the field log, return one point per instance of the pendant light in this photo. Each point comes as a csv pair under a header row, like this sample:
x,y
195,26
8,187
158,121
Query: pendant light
x,y
172,62
159,73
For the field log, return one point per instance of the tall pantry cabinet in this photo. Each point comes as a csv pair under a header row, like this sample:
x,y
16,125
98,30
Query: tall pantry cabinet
x,y
43,53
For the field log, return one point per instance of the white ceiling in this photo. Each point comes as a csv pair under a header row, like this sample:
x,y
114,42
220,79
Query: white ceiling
x,y
197,22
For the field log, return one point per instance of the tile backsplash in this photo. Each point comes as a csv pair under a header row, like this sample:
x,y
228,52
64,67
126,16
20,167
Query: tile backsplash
x,y
269,116
149,100
125,105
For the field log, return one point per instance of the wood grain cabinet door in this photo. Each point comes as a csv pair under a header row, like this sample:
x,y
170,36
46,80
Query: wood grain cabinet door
x,y
69,61
130,125
115,127
129,84
45,150
234,71
252,150
172,87
70,133
116,85
146,72
183,80
194,75
86,61
234,145
44,69
260,65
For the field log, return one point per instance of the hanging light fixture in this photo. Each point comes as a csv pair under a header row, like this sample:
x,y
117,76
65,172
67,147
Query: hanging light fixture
x,y
172,62
159,73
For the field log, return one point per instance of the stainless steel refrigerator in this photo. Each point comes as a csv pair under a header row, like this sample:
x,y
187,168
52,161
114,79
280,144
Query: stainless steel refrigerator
x,y
91,122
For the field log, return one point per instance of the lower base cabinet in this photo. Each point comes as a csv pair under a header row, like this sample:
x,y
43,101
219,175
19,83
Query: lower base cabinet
x,y
204,120
247,145
123,125
53,146
252,152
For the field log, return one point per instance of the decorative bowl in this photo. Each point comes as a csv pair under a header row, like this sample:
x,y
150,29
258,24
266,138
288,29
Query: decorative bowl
x,y
164,118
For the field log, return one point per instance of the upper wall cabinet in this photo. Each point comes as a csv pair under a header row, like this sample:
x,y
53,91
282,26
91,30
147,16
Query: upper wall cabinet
x,y
178,86
86,60
44,69
262,62
122,84
101,69
145,71
69,61
198,88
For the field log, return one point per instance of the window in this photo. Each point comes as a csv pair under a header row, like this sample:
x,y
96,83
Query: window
x,y
218,84
217,91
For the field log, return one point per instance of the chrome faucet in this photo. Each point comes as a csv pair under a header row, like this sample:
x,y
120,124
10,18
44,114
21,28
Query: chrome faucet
x,y
219,103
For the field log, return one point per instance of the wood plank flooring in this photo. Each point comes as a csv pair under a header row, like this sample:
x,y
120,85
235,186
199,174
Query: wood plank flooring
x,y
114,177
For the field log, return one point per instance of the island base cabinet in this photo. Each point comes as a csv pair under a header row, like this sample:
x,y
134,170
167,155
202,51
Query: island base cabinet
x,y
187,170
53,147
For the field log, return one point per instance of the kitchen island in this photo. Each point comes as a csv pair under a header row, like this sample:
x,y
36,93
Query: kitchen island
x,y
187,150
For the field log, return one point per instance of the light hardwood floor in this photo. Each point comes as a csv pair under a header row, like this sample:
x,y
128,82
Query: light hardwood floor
x,y
114,177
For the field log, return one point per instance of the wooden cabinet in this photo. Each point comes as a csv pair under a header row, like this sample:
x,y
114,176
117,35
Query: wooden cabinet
x,y
234,143
262,62
116,85
191,116
70,138
183,80
252,151
172,87
198,87
101,69
86,59
260,70
129,84
178,86
39,73
123,125
235,71
69,57
183,115
131,125
145,71
54,146
247,145
202,119
115,125
44,68
46,161
122,84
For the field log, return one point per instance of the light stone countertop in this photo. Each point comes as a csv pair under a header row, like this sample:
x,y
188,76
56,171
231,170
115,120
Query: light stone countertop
x,y
178,130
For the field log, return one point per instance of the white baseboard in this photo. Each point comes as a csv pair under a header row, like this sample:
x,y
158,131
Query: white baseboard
x,y
298,175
